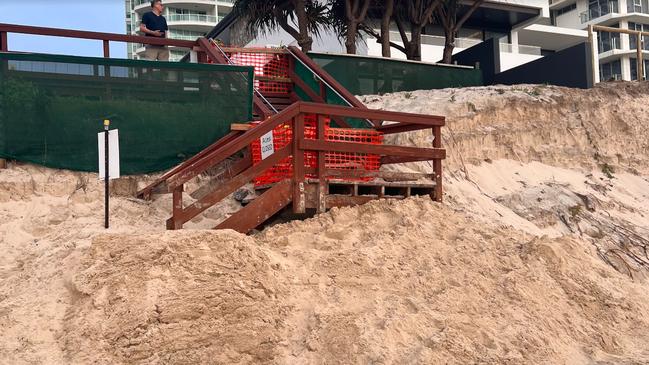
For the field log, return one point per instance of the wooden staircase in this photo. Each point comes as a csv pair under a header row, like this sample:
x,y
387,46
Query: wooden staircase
x,y
331,187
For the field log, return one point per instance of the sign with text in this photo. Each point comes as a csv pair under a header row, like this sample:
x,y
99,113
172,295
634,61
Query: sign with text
x,y
267,146
113,154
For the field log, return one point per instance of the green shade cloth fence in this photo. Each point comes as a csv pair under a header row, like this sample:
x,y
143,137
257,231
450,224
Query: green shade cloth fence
x,y
372,75
52,107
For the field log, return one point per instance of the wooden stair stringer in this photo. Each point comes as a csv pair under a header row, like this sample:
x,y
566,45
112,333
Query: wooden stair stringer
x,y
261,209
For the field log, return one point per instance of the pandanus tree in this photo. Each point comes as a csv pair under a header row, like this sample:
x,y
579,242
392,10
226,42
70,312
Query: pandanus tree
x,y
347,17
447,14
416,14
302,19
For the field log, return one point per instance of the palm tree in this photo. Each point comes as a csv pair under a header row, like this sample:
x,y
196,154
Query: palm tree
x,y
447,15
265,16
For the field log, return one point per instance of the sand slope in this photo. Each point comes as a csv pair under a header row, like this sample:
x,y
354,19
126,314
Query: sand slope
x,y
535,257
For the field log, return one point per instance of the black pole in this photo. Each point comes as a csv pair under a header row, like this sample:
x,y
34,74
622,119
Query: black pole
x,y
106,174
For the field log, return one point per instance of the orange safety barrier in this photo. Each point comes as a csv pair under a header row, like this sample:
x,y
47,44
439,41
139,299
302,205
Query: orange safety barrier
x,y
283,135
271,69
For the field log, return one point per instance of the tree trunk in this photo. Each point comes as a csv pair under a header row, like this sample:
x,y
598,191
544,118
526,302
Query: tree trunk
x,y
305,41
415,42
449,45
385,29
350,41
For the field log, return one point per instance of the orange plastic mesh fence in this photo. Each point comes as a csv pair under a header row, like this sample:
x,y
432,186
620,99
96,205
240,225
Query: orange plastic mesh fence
x,y
283,134
271,69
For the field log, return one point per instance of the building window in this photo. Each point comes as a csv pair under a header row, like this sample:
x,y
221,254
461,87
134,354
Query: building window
x,y
610,71
634,68
633,40
637,6
566,9
597,8
607,41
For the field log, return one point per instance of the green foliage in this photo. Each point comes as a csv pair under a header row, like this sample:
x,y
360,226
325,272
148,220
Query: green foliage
x,y
267,16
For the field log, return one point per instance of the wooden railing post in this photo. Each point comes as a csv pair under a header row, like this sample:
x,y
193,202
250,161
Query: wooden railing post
x,y
299,205
640,62
4,47
177,197
106,49
322,178
437,164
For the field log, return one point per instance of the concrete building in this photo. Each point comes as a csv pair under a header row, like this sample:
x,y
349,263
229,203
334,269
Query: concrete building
x,y
616,52
523,28
187,19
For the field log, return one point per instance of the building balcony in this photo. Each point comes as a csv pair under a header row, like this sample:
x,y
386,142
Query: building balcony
x,y
594,13
192,18
203,5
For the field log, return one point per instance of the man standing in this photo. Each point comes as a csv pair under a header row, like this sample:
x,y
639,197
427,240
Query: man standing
x,y
155,25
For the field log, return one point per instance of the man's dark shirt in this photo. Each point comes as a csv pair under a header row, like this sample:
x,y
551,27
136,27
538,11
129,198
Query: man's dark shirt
x,y
154,22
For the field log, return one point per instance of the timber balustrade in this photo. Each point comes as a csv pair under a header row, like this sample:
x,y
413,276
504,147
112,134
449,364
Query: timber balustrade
x,y
294,115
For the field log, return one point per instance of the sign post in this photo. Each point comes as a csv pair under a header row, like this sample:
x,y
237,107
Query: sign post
x,y
108,143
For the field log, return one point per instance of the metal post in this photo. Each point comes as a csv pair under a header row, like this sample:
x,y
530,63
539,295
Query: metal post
x,y
106,174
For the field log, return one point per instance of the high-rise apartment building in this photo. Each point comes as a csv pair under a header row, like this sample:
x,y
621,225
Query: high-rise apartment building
x,y
617,52
187,19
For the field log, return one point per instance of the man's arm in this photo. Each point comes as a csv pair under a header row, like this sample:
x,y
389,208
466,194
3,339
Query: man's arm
x,y
148,31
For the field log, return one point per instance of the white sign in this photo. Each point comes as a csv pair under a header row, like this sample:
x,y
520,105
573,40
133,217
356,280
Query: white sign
x,y
113,154
267,147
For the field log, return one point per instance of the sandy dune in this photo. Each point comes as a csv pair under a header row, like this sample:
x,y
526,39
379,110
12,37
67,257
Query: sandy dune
x,y
537,255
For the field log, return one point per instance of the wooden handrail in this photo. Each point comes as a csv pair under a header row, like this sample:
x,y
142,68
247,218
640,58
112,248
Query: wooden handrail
x,y
343,111
233,146
114,37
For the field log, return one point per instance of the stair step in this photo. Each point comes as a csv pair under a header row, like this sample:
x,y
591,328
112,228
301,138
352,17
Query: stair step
x,y
260,209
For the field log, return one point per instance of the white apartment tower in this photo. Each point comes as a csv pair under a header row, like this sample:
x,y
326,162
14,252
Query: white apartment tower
x,y
617,52
187,20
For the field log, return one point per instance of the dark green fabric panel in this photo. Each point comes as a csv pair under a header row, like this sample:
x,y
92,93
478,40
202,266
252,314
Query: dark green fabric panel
x,y
52,107
331,97
370,75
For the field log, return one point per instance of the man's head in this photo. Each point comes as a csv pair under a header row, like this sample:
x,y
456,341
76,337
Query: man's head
x,y
157,6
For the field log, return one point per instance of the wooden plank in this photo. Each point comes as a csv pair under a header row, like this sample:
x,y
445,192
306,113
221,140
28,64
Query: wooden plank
x,y
4,45
260,209
233,146
106,49
238,167
177,206
437,165
401,127
3,163
298,165
618,30
231,186
384,150
146,192
386,175
254,50
321,160
273,78
278,100
346,200
387,160
241,127
343,111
